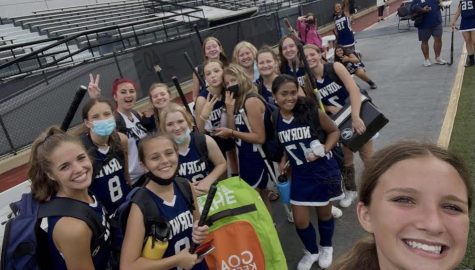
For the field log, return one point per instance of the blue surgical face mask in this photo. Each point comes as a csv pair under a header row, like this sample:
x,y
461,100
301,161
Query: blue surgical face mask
x,y
183,137
103,127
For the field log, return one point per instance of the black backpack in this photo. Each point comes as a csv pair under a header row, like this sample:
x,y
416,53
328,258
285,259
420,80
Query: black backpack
x,y
201,146
271,147
155,224
24,241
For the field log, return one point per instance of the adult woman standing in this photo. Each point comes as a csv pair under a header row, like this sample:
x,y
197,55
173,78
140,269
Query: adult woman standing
x,y
61,168
466,8
244,54
415,201
108,148
200,171
212,50
251,165
334,96
316,178
159,154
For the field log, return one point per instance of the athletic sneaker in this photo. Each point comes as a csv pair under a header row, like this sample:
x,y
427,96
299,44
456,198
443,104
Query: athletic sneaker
x,y
336,212
348,200
427,63
372,85
440,61
307,261
326,257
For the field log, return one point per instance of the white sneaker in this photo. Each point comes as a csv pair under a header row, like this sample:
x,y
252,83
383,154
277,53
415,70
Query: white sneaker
x,y
427,63
326,257
307,261
348,200
440,61
336,212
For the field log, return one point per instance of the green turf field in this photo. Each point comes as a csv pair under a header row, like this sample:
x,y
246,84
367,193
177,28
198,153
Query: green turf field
x,y
463,143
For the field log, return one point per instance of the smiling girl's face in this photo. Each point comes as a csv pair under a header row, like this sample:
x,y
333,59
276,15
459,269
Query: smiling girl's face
x,y
418,215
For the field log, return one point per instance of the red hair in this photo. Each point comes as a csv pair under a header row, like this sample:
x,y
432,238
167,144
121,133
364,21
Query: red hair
x,y
119,81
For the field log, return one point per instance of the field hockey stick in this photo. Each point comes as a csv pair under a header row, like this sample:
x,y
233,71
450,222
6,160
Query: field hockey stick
x,y
259,147
190,64
204,213
288,25
310,75
158,71
195,27
73,107
451,48
182,97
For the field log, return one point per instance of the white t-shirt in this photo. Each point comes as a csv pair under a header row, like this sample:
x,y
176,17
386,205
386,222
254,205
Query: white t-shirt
x,y
135,132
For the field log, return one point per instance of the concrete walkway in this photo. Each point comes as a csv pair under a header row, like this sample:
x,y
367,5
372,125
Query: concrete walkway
x,y
414,98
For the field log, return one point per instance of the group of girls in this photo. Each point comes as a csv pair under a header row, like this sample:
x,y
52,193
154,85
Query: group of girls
x,y
230,108
114,153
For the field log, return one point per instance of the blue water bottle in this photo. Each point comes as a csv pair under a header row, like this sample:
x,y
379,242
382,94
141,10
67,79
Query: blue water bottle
x,y
283,185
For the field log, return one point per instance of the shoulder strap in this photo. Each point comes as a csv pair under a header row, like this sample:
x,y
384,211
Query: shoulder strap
x,y
185,188
67,207
120,123
147,205
201,146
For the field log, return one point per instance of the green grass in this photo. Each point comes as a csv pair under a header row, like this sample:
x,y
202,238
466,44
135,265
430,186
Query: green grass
x,y
462,142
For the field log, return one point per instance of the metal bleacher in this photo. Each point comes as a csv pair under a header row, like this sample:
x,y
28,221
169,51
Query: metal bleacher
x,y
73,35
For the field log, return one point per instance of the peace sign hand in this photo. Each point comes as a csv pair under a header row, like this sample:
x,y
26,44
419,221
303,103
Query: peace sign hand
x,y
208,106
93,89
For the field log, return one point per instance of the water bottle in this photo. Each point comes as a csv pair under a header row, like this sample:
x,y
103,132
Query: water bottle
x,y
283,185
154,248
318,149
157,242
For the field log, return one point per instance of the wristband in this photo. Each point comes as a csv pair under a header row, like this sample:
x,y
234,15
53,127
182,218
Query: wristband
x,y
232,133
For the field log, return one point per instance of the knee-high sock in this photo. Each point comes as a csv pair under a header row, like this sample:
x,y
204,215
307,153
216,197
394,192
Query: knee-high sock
x,y
308,237
326,229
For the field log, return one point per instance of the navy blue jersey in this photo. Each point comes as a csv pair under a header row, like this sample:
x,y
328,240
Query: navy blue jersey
x,y
314,183
251,165
467,8
352,67
216,113
181,221
345,35
109,183
299,73
265,92
332,93
192,166
100,259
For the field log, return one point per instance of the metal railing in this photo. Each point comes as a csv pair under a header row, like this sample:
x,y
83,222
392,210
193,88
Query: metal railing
x,y
95,43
